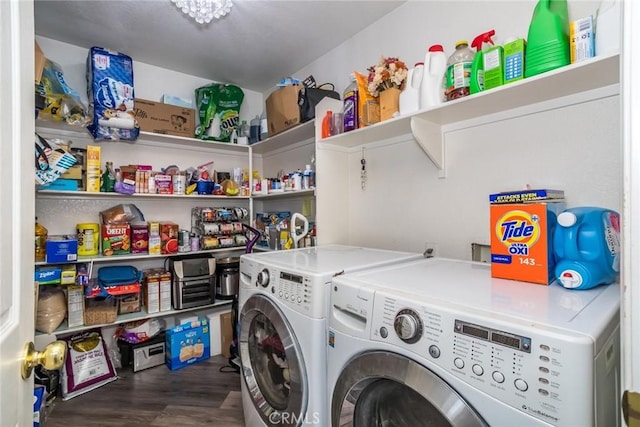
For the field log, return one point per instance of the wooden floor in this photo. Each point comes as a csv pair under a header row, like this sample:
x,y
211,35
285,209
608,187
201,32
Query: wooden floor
x,y
197,395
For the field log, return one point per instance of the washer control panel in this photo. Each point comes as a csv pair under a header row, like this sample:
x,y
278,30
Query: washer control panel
x,y
532,368
295,290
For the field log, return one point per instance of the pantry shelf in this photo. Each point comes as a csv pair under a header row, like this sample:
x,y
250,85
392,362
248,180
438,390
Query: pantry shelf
x,y
63,329
285,194
86,194
132,257
587,80
289,137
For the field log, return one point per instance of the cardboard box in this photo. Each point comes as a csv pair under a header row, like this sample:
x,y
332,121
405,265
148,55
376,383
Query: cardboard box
x,y
68,275
92,167
226,326
282,109
521,240
151,291
75,305
165,291
116,239
164,118
48,275
168,237
187,344
582,39
62,248
74,172
39,61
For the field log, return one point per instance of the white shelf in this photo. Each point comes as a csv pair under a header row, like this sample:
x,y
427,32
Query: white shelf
x,y
285,194
291,136
63,129
130,257
131,317
100,195
426,125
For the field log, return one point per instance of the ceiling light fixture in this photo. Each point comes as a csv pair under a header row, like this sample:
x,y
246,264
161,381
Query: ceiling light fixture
x,y
203,11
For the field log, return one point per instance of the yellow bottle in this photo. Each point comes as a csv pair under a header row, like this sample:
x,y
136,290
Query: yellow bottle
x,y
41,242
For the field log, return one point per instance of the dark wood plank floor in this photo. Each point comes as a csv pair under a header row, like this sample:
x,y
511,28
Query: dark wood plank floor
x,y
197,395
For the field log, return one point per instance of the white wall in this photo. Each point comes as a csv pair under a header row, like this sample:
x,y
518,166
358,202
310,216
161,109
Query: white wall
x,y
405,204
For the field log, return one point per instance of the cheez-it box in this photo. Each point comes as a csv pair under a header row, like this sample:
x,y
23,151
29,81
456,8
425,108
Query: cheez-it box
x,y
521,239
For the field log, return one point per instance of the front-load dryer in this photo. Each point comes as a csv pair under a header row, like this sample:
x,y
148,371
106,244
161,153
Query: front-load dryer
x,y
283,304
440,342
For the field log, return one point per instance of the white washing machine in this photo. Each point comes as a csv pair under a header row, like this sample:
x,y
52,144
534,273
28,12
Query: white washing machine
x,y
283,305
439,342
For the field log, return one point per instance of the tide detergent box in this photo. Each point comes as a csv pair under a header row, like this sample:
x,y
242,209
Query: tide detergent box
x,y
521,239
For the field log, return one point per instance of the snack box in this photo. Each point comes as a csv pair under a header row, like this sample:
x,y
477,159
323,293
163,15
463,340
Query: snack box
x,y
62,248
116,239
521,240
187,344
168,238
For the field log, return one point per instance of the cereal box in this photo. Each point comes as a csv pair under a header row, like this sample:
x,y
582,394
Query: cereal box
x,y
187,344
521,239
110,92
116,239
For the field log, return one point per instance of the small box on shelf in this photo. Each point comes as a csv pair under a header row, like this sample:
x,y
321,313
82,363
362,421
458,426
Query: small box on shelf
x,y
62,248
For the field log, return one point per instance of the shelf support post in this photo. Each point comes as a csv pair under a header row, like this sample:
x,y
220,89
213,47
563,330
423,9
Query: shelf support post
x,y
430,138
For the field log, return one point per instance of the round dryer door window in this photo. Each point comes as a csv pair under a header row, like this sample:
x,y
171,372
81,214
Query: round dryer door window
x,y
271,363
388,390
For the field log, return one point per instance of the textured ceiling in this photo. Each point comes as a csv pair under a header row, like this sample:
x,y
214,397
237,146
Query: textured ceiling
x,y
254,46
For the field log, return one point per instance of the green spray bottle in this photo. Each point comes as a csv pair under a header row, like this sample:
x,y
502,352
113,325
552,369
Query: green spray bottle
x,y
482,42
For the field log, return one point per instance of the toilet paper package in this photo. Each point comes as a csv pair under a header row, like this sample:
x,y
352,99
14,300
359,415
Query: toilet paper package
x,y
110,92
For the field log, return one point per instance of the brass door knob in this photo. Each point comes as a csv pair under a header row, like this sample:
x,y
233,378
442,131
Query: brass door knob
x,y
51,358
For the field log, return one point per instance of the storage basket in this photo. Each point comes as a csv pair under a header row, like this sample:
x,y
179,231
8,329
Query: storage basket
x,y
99,311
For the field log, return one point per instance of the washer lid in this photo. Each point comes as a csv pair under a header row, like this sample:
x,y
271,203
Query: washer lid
x,y
331,259
469,286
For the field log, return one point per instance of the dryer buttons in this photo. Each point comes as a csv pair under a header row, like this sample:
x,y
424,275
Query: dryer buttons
x,y
408,326
434,351
521,384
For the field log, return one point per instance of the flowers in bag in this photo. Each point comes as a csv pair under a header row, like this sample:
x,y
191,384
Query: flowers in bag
x,y
387,73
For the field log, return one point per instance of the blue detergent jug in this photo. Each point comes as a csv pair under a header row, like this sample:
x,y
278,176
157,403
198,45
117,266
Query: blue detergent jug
x,y
586,243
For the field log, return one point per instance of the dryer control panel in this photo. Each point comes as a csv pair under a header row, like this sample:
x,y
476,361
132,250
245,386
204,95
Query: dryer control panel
x,y
542,371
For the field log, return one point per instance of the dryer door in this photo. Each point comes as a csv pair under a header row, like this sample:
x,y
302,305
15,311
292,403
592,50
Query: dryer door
x,y
385,389
272,363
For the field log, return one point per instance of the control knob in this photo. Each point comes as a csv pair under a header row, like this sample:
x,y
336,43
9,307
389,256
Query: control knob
x,y
263,278
408,326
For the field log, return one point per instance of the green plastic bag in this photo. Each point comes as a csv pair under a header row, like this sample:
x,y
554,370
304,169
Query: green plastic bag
x,y
219,111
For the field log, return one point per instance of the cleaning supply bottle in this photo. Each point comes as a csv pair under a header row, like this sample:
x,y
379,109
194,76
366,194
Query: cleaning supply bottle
x,y
254,130
326,124
41,242
481,43
548,45
457,77
586,244
431,88
410,95
608,26
264,126
350,97
513,59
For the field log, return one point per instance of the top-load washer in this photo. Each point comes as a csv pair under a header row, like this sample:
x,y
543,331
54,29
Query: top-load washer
x,y
440,342
283,304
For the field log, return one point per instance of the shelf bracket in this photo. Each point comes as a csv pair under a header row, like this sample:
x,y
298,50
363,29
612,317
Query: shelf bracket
x,y
430,138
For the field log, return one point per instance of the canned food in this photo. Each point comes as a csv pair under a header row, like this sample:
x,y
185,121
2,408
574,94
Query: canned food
x,y
184,241
88,239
